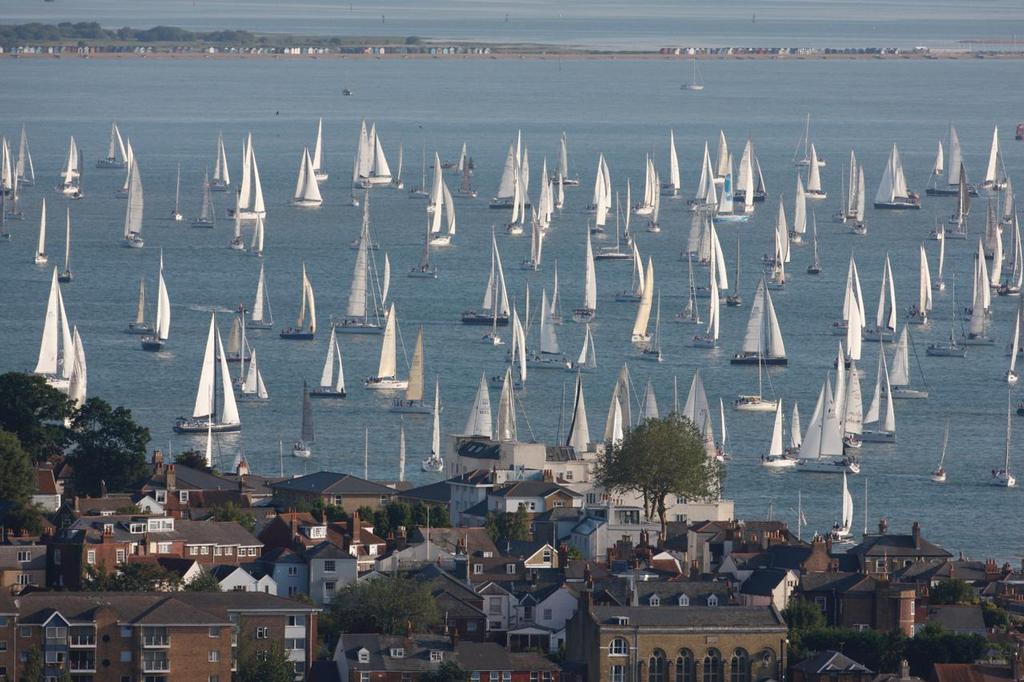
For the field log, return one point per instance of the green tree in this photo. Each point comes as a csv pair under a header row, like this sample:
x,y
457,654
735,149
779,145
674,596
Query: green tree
x,y
505,526
658,458
17,475
449,671
32,670
802,615
107,446
934,644
204,582
388,605
193,459
34,411
230,511
952,591
439,516
263,665
133,577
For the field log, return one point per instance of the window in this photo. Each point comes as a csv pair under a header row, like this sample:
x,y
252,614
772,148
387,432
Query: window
x,y
293,621
478,569
24,555
217,551
655,600
617,673
510,569
397,652
90,556
330,566
739,666
471,626
684,600
126,631
618,647
213,631
364,655
213,656
3,645
364,677
475,677
821,603
120,556
293,571
330,586
56,633
339,501
163,548
204,550
126,656
436,656
262,633
193,551
228,551
713,666
657,670
161,496
55,657
494,605
56,556
547,614
684,666
292,590
183,496
24,579
713,600
493,677
879,565
213,678
253,551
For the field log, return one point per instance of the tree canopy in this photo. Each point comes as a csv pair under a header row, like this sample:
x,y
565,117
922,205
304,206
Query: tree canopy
x,y
389,605
263,665
107,446
34,411
952,591
658,458
132,577
508,526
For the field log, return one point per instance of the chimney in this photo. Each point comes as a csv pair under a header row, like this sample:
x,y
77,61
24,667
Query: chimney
x,y
103,488
461,567
915,530
883,526
171,479
158,459
904,669
356,526
243,467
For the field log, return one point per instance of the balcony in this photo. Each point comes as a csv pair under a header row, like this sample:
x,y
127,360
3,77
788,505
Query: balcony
x,y
82,641
157,642
159,666
84,665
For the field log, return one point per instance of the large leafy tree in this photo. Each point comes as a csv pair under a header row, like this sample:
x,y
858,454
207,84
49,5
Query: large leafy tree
x,y
17,475
132,577
34,411
390,605
658,458
107,446
263,665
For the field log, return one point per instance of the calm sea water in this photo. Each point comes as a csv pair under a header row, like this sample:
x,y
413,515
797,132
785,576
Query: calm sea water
x,y
602,24
172,110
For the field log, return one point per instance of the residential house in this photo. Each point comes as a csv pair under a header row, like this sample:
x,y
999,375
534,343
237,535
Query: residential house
x,y
861,602
331,489
533,496
364,657
461,605
830,666
541,616
886,553
288,569
22,566
963,619
769,586
46,494
250,577
330,569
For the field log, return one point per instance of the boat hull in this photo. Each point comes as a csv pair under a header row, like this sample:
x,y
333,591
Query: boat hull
x,y
134,328
825,466
897,205
583,315
350,326
201,426
402,406
902,393
756,359
878,436
778,462
418,273
297,335
946,351
755,404
385,384
325,392
481,319
199,222
110,163
152,344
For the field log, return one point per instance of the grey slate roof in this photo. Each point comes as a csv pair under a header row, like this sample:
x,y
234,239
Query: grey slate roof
x,y
830,662
693,617
762,581
332,483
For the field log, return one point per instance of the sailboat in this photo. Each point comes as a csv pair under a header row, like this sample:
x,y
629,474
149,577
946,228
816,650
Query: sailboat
x,y
386,378
40,257
616,252
318,153
586,361
550,355
803,158
133,210
249,202
536,248
588,310
1015,280
1002,477
814,190
206,415
843,528
777,458
116,156
646,204
207,213
466,185
238,346
884,328
221,174
735,300
56,349
636,289
953,348
442,232
1011,374
162,323
567,179
435,462
421,191
652,349
307,187
305,325
977,333
762,342
602,200
918,313
709,338
505,198
371,164
899,377
70,183
262,316
250,381
696,83
892,190
25,171
821,450
995,175
671,187
139,325
332,379
494,308
939,475
365,298
885,424
939,284
815,267
303,447
956,226
425,270
176,214
954,171
412,402
643,311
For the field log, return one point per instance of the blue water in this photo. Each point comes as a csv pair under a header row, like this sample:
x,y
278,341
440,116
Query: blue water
x,y
173,109
602,24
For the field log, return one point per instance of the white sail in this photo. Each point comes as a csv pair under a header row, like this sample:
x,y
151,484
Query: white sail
x,y
939,161
955,160
722,165
673,162
228,409
41,243
221,173
775,447
696,408
78,381
307,190
651,403
847,519
774,345
358,290
810,447
853,417
163,306
721,272
548,336
318,148
261,304
589,279
206,392
753,338
814,173
414,391
134,209
854,333
387,367
924,288
506,187
245,185
479,421
507,429
992,169
643,311
795,434
782,231
55,347
579,430
900,374
799,208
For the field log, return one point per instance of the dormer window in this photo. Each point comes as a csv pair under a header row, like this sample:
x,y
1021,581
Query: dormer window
x,y
161,496
488,555
436,656
713,600
108,529
510,569
478,569
315,532
137,528
183,496
655,600
621,620
397,652
364,655
160,524
684,600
